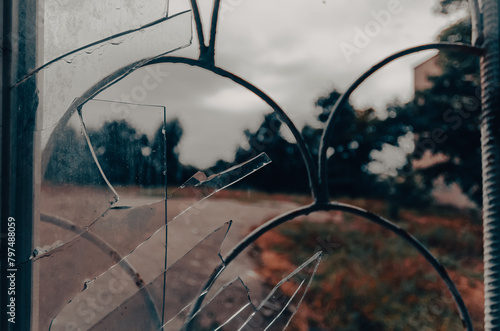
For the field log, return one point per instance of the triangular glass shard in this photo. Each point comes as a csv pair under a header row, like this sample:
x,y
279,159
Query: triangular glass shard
x,y
219,310
73,194
128,305
129,145
279,307
200,187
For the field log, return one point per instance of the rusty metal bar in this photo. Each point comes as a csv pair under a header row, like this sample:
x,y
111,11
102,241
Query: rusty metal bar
x,y
490,147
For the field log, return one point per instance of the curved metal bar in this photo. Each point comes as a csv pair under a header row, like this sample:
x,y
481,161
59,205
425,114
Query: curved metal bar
x,y
109,250
303,147
199,27
324,194
122,73
213,31
94,90
335,206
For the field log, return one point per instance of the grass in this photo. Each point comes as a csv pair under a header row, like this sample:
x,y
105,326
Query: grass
x,y
369,279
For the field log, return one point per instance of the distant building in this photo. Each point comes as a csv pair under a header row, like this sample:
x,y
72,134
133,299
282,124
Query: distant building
x,y
442,193
424,70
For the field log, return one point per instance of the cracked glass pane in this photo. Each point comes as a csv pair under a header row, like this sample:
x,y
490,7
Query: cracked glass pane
x,y
132,231
278,308
86,48
67,29
117,300
74,194
87,72
200,187
129,143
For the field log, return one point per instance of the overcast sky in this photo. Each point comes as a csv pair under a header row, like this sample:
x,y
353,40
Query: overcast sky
x,y
294,50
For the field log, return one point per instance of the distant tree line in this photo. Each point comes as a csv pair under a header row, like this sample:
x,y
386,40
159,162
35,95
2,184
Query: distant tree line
x,y
125,156
130,158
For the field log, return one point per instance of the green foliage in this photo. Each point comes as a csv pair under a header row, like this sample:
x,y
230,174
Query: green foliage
x,y
445,118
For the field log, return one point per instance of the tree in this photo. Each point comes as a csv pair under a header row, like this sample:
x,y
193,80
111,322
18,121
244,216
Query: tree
x,y
450,6
170,135
287,172
356,134
445,117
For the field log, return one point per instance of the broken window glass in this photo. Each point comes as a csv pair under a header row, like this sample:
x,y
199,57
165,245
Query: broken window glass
x,y
118,244
139,299
86,48
134,232
120,298
97,66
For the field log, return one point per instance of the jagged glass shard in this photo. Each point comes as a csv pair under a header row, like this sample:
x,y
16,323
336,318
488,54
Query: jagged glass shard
x,y
115,226
115,300
229,301
128,141
199,187
234,322
279,307
71,24
89,71
73,194
66,268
